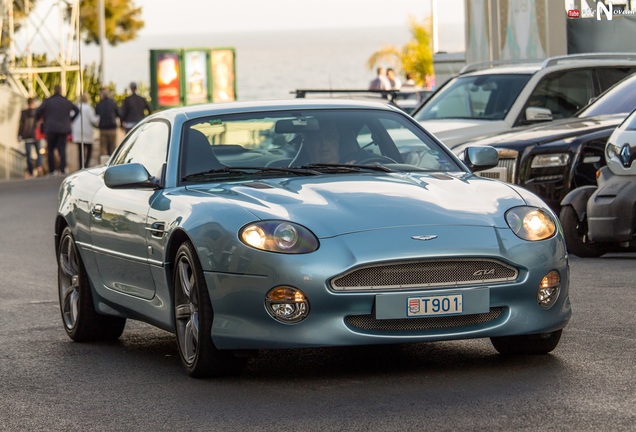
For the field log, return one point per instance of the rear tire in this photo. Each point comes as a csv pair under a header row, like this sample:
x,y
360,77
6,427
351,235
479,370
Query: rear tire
x,y
193,319
575,232
527,344
81,322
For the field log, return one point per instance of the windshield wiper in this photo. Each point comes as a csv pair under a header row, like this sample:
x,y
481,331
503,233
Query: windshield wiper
x,y
242,171
334,167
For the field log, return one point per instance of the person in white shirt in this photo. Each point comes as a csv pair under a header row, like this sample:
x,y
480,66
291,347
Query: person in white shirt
x,y
410,82
394,82
82,130
380,82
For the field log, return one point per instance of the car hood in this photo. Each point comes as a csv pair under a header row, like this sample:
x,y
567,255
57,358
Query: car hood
x,y
548,132
331,205
454,132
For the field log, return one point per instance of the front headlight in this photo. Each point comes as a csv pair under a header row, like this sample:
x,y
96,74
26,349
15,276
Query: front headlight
x,y
279,236
531,223
550,160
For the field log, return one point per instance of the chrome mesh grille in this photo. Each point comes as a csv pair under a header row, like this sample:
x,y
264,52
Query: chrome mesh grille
x,y
497,173
425,274
509,164
368,322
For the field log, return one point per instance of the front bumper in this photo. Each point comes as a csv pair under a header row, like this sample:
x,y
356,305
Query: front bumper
x,y
340,318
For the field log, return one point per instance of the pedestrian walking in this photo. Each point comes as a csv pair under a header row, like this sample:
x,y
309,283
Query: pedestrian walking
x,y
409,80
108,113
82,131
27,133
380,82
133,109
394,81
57,113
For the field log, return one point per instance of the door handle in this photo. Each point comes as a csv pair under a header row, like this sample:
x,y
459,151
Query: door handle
x,y
157,229
97,210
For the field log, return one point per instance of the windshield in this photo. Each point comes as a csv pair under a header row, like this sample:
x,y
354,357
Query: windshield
x,y
478,97
308,142
621,98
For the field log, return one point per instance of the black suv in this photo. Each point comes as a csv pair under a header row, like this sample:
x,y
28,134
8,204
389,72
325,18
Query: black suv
x,y
556,157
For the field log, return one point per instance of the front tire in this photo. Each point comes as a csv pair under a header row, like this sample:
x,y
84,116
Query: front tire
x,y
575,232
81,322
527,344
193,319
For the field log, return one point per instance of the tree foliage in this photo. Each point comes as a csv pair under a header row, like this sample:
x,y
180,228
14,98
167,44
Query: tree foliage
x,y
19,15
122,21
19,11
416,57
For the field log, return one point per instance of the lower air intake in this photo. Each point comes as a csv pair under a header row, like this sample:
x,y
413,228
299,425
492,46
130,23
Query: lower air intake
x,y
368,322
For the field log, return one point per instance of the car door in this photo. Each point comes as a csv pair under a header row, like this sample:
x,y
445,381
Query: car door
x,y
119,216
563,93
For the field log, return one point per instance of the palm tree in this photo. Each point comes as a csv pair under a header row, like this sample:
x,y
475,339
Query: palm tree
x,y
415,58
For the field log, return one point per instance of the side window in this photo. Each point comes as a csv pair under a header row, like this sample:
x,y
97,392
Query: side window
x,y
607,77
455,104
149,147
563,93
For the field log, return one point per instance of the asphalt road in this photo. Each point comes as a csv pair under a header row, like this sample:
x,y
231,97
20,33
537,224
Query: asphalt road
x,y
49,383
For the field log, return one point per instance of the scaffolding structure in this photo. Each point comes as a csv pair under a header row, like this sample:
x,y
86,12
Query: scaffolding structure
x,y
59,42
40,33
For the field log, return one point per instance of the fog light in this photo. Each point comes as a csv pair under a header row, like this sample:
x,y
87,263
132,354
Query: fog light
x,y
549,289
287,305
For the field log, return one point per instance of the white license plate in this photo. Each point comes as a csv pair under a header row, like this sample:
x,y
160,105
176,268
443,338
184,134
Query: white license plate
x,y
434,305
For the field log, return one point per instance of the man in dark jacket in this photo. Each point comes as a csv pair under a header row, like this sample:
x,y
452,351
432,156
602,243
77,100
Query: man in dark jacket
x,y
57,113
26,132
108,112
134,109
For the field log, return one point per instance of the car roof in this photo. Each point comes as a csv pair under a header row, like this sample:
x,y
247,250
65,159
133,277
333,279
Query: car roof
x,y
285,104
570,61
507,69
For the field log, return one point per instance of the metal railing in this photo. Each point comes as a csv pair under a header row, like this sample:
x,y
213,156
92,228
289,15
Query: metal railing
x,y
12,163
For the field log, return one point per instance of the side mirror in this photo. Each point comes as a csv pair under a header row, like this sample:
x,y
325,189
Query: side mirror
x,y
537,114
480,158
133,175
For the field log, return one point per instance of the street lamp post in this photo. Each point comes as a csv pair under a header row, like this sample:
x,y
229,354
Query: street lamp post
x,y
102,38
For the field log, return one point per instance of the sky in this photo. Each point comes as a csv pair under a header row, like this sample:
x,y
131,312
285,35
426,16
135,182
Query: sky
x,y
165,17
162,16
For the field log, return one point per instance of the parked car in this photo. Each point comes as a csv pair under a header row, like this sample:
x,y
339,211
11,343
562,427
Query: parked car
x,y
490,98
599,219
238,227
554,158
406,98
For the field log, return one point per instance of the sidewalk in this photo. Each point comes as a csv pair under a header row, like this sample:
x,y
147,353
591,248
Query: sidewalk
x,y
14,167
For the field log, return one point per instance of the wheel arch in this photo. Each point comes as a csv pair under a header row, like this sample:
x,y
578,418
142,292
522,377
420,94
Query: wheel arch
x,y
60,224
177,238
578,198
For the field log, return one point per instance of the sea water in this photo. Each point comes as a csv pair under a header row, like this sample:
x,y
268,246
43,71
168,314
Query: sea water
x,y
269,65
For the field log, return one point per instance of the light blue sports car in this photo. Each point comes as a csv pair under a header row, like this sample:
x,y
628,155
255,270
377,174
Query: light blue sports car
x,y
304,223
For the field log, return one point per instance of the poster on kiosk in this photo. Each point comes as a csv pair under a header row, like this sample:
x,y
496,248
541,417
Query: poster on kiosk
x,y
192,76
